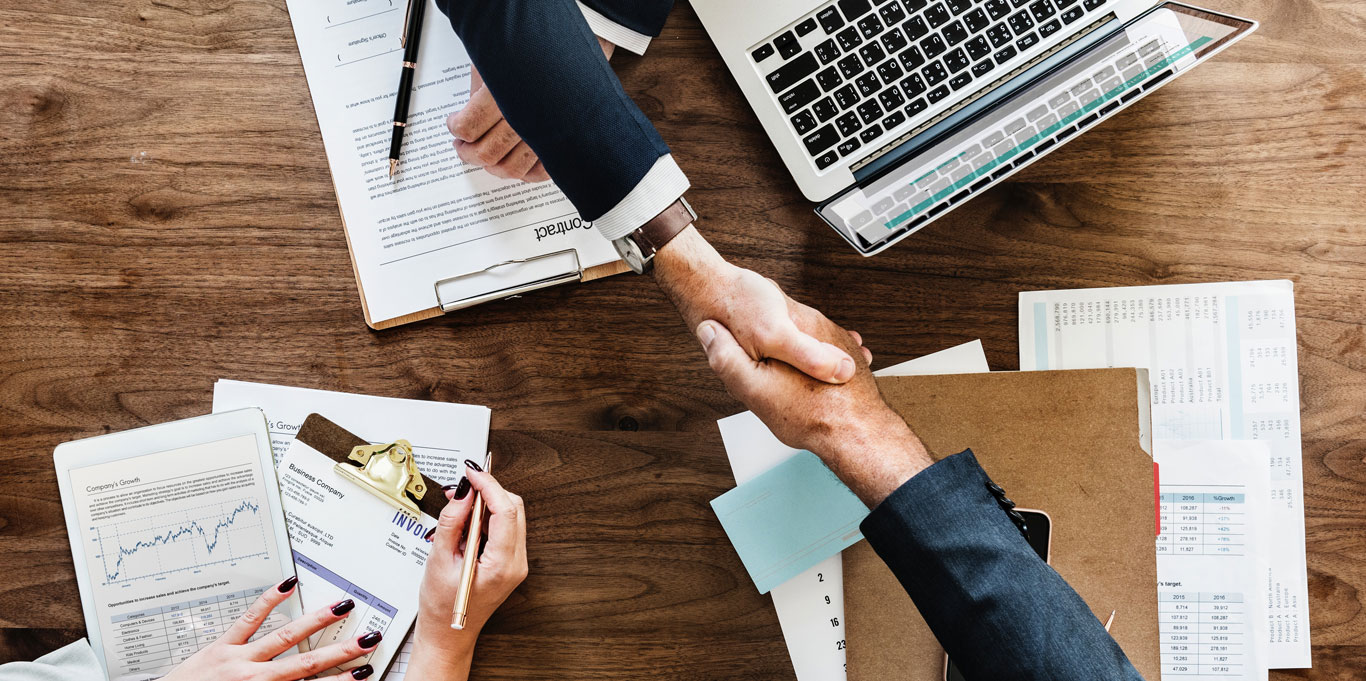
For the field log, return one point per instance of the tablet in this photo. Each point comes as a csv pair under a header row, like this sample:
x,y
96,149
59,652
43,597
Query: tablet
x,y
175,529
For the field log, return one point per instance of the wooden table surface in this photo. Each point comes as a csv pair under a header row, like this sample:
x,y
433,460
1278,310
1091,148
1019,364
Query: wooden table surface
x,y
167,219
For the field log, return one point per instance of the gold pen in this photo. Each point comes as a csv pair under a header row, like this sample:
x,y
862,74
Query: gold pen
x,y
474,536
1110,621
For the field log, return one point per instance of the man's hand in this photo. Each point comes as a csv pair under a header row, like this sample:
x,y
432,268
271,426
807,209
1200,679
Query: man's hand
x,y
767,323
483,138
849,426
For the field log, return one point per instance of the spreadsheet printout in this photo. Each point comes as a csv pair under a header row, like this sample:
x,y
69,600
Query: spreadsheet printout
x,y
1212,504
1223,364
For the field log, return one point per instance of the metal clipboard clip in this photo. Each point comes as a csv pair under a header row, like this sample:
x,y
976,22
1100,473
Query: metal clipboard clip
x,y
387,471
508,279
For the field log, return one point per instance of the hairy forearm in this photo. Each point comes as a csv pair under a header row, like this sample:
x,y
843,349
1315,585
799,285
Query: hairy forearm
x,y
686,269
876,456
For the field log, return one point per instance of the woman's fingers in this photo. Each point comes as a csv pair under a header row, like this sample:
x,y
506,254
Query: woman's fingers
x,y
307,664
506,530
250,621
449,526
362,672
292,634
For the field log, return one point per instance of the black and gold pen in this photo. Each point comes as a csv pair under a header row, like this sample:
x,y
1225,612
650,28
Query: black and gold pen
x,y
412,32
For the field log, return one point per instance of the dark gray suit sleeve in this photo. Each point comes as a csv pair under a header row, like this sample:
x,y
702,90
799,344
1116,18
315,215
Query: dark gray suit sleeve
x,y
999,611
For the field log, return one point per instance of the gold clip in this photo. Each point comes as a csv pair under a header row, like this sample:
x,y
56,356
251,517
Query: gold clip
x,y
389,472
407,12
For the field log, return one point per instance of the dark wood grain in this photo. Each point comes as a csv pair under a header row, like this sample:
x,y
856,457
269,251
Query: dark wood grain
x,y
129,287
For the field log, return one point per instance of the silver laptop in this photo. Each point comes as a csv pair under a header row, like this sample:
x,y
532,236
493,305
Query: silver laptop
x,y
891,112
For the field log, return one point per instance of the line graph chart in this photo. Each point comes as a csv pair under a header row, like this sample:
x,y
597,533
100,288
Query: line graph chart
x,y
181,541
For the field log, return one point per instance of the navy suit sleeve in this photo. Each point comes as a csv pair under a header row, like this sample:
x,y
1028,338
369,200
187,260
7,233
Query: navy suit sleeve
x,y
645,17
547,73
999,611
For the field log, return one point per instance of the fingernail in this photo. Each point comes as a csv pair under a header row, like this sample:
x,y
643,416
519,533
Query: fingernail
x,y
362,672
448,488
846,369
343,607
430,533
288,584
370,640
475,466
462,490
706,334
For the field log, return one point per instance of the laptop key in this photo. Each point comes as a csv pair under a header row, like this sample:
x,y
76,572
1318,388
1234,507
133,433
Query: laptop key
x,y
869,111
955,33
798,97
1014,126
912,58
960,80
804,122
889,71
854,9
850,66
1021,23
1092,5
827,51
976,20
830,20
914,5
982,68
821,139
913,85
861,219
806,26
933,46
1064,4
1042,10
1018,3
1059,99
938,93
872,53
936,15
791,73
1072,15
1036,113
1004,54
867,84
1029,40
883,205
934,73
894,119
849,39
827,159
915,107
903,193
915,28
999,35
829,79
891,98
1049,28
846,96
848,146
787,44
763,52
997,8
892,14
848,124
978,48
956,61
825,109
870,133
894,40
869,26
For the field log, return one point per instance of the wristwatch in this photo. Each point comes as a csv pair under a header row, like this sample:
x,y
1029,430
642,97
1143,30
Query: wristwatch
x,y
638,248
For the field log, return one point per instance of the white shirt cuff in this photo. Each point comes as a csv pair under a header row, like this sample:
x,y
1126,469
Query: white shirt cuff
x,y
660,187
613,32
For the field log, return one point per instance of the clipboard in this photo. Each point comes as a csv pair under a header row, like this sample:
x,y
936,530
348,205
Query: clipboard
x,y
348,545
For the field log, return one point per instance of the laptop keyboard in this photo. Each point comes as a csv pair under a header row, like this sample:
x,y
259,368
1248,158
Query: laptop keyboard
x,y
872,65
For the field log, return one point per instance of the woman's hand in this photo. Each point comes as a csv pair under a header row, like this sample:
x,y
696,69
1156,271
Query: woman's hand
x,y
234,657
440,651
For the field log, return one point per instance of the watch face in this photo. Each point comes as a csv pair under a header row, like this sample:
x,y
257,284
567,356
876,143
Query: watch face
x,y
630,252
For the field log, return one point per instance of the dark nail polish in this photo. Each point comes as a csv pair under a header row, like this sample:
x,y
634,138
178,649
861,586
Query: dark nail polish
x,y
463,489
447,488
343,607
370,640
475,466
362,672
288,584
430,533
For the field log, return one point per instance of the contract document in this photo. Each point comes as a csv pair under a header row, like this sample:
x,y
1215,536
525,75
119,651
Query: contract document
x,y
1223,363
438,218
810,606
1211,552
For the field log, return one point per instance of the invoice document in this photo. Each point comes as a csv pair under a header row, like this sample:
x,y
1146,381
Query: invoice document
x,y
810,606
438,217
1211,555
443,435
1222,360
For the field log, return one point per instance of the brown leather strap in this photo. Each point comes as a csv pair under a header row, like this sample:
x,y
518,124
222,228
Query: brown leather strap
x,y
337,442
662,228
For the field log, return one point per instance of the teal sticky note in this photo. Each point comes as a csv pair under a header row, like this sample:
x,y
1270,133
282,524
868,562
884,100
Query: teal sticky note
x,y
789,518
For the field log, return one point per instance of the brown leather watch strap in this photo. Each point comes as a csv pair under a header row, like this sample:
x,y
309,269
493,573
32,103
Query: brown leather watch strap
x,y
662,228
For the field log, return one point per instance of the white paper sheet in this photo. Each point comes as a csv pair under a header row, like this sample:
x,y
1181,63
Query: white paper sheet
x,y
438,217
1211,556
1223,365
443,435
810,606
